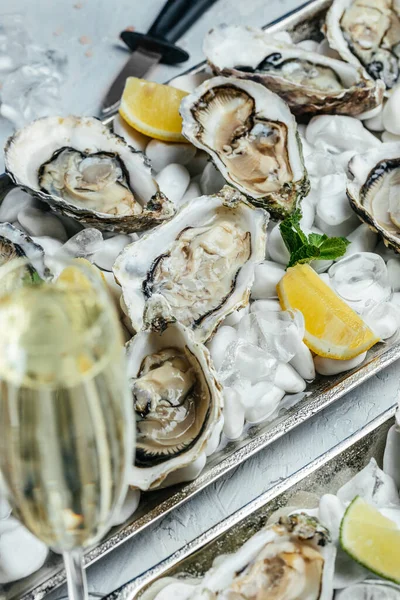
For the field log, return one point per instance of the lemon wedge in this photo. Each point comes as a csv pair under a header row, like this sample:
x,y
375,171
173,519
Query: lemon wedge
x,y
371,539
153,109
332,328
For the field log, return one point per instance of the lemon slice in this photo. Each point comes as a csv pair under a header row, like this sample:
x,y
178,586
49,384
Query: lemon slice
x,y
153,109
371,539
332,328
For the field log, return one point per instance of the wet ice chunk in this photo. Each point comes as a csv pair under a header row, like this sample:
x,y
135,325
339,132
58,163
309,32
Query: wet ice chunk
x,y
391,457
31,74
265,407
33,90
383,318
337,133
278,333
233,414
245,364
220,342
360,279
372,484
84,244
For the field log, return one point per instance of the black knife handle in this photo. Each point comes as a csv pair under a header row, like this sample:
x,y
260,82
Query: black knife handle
x,y
176,17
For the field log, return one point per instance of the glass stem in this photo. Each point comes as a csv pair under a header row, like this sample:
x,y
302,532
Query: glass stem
x,y
76,576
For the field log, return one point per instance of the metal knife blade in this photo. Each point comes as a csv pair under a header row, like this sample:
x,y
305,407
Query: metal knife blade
x,y
138,64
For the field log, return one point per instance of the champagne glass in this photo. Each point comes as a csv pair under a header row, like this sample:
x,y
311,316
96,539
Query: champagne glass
x,y
66,416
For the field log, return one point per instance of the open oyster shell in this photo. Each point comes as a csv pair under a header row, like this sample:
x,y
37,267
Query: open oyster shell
x,y
177,398
202,262
252,138
290,560
83,170
374,191
15,244
367,33
307,81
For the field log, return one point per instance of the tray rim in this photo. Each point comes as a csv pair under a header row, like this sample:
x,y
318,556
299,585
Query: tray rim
x,y
381,359
136,585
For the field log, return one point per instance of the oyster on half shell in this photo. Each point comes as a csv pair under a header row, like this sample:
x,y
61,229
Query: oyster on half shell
x,y
290,560
252,138
374,191
367,33
309,82
202,262
82,169
177,398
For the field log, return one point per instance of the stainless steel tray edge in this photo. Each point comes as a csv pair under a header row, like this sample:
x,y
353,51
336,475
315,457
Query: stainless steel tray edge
x,y
130,590
323,393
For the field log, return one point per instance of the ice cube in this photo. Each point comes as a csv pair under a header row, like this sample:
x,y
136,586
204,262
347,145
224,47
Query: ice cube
x,y
84,244
360,279
278,333
245,363
31,85
383,318
372,484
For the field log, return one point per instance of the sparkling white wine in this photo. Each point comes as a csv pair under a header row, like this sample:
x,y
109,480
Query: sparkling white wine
x,y
65,434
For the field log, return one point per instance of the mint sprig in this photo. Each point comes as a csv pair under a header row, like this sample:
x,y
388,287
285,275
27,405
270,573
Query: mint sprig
x,y
305,248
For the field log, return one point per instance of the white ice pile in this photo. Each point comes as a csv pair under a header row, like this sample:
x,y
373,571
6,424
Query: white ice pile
x,y
30,74
252,358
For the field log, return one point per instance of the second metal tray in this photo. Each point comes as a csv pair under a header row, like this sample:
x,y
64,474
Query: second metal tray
x,y
324,475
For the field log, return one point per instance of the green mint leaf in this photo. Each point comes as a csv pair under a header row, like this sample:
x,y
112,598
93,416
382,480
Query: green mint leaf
x,y
291,233
315,246
317,239
303,255
333,248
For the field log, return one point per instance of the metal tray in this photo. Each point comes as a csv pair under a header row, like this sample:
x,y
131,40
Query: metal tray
x,y
324,475
303,23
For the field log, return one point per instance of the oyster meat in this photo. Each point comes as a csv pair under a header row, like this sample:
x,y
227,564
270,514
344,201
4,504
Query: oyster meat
x,y
374,191
252,138
291,560
14,244
177,398
202,262
309,82
367,33
82,169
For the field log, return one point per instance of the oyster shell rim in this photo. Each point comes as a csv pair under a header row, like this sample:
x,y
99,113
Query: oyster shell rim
x,y
296,189
372,90
387,151
228,197
156,210
150,478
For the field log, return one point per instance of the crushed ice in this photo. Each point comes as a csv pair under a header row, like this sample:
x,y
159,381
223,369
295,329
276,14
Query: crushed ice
x,y
31,75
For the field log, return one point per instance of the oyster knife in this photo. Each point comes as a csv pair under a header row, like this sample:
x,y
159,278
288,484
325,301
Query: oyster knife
x,y
157,45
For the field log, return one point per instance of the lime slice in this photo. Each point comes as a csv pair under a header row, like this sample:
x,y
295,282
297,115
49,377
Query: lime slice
x,y
371,539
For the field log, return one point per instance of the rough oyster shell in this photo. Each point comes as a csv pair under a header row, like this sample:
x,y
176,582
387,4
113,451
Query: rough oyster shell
x,y
202,262
309,82
16,244
278,562
374,191
367,33
83,170
177,397
252,138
